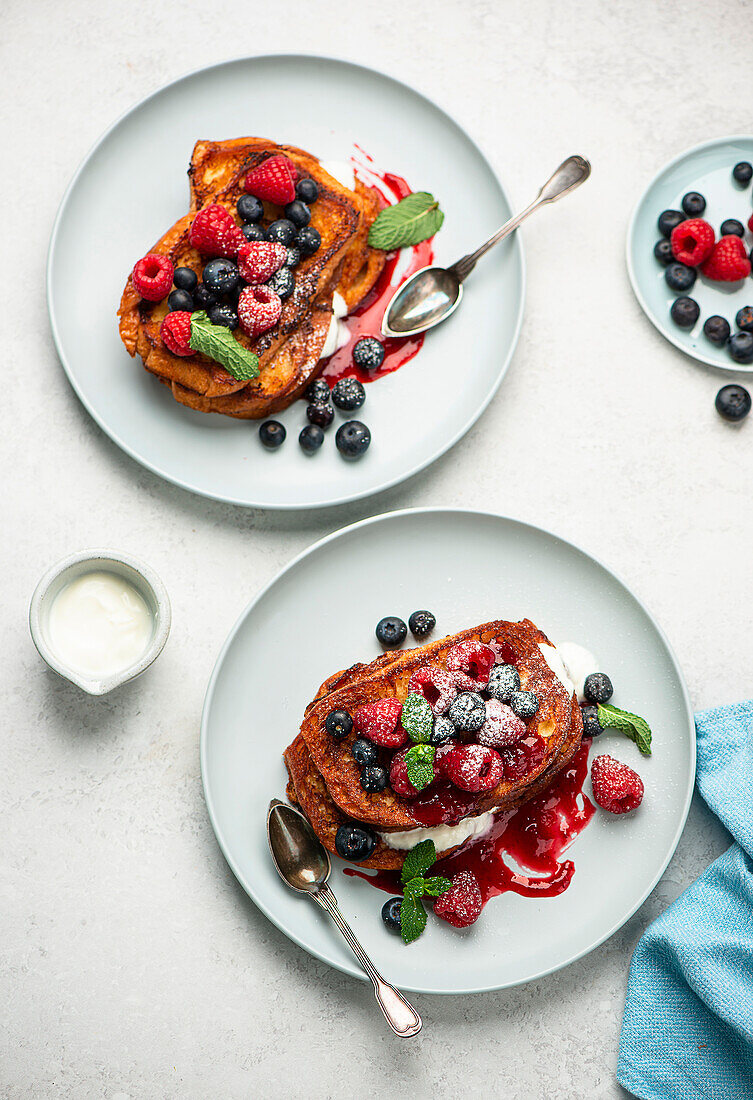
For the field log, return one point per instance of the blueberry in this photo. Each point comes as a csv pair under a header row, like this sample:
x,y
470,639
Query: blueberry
x,y
298,213
293,257
318,391
348,394
743,172
282,282
180,299
320,413
443,731
338,724
503,681
352,439
281,231
272,434
203,297
679,277
731,228
592,727
663,251
391,913
524,704
223,315
685,312
741,347
307,190
467,712
597,688
693,204
184,278
668,220
364,752
744,318
221,276
391,631
249,208
368,353
307,240
311,438
421,623
354,842
253,232
717,329
733,402
373,778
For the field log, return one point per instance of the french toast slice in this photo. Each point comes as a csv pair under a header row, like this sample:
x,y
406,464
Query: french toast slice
x,y
317,762
343,262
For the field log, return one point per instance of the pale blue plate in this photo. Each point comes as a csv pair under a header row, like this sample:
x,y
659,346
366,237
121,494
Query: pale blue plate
x,y
706,168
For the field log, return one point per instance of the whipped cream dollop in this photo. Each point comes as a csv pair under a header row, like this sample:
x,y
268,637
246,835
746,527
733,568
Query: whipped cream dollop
x,y
444,836
338,333
571,664
343,172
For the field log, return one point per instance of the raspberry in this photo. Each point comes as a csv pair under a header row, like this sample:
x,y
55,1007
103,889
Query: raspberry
x,y
502,727
692,241
472,660
214,233
259,309
461,905
616,787
379,722
472,767
728,262
521,758
273,180
152,277
175,331
436,686
259,260
399,780
750,223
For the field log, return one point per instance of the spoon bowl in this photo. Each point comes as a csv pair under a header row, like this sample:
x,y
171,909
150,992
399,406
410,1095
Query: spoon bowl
x,y
300,858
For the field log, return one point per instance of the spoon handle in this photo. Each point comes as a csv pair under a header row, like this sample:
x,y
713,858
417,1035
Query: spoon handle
x,y
571,174
400,1015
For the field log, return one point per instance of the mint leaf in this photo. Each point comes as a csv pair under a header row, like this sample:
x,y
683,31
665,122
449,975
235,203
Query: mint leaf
x,y
416,717
419,764
412,919
218,343
415,218
632,725
437,886
418,860
414,888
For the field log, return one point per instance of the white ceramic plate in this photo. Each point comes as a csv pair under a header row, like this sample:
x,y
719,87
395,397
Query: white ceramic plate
x,y
706,168
132,187
319,615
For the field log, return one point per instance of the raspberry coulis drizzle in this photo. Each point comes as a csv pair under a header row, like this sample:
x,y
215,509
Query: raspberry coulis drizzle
x,y
533,836
366,319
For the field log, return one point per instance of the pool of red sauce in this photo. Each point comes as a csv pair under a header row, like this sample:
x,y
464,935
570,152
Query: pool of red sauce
x,y
532,838
366,319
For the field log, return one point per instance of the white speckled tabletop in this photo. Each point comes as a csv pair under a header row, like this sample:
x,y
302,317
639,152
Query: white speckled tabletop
x,y
133,964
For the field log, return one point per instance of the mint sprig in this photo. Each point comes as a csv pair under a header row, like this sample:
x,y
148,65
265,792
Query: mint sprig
x,y
416,717
416,886
633,726
217,342
419,764
415,218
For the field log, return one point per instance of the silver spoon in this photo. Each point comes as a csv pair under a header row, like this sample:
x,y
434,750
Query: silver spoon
x,y
303,863
433,293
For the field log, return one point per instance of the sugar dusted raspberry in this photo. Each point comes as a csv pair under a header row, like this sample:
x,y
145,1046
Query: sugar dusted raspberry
x,y
175,331
399,780
259,309
502,727
273,180
436,685
728,262
259,260
472,767
692,241
471,659
617,788
380,722
214,233
461,905
152,277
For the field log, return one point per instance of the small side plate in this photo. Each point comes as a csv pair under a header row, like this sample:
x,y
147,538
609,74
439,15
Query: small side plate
x,y
706,168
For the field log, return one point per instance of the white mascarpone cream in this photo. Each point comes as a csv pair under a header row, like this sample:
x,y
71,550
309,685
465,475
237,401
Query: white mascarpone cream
x,y
579,663
338,334
553,658
444,836
343,172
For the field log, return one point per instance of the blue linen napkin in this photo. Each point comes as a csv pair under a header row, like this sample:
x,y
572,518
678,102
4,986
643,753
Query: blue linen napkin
x,y
687,1032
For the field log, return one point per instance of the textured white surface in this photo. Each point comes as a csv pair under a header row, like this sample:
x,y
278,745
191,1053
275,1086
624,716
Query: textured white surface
x,y
133,965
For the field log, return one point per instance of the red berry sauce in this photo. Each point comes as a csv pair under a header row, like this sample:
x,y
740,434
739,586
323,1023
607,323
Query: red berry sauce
x,y
366,319
532,837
